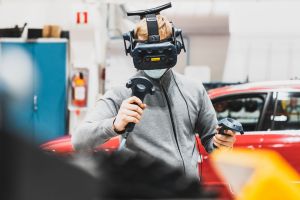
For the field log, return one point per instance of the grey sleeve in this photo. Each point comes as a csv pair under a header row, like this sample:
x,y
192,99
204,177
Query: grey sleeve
x,y
206,122
97,127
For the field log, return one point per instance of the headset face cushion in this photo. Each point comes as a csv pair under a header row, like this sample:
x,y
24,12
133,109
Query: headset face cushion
x,y
154,55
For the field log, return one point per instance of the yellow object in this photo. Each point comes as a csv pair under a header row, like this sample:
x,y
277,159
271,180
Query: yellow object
x,y
259,174
284,104
155,59
51,31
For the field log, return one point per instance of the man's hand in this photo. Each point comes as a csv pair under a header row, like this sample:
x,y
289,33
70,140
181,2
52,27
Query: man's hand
x,y
131,110
224,141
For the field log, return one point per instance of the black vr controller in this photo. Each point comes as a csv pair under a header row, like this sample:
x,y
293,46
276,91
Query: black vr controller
x,y
229,124
140,87
153,53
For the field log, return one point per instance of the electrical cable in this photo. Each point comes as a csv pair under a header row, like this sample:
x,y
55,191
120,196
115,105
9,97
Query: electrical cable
x,y
187,106
173,125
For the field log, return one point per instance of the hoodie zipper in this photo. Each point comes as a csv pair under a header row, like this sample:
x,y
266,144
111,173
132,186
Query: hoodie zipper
x,y
173,125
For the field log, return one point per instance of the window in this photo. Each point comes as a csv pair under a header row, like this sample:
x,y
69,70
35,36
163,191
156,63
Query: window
x,y
286,114
246,109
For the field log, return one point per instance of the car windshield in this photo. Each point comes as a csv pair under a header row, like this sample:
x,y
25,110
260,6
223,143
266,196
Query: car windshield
x,y
246,109
286,114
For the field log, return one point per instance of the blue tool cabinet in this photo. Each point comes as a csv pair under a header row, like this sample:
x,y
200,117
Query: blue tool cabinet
x,y
42,114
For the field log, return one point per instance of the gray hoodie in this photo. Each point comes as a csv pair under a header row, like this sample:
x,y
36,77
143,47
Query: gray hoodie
x,y
192,113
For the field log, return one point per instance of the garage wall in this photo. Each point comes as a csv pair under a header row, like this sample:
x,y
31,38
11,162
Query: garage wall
x,y
207,50
265,42
263,58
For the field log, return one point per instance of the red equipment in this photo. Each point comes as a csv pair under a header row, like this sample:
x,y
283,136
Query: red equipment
x,y
79,90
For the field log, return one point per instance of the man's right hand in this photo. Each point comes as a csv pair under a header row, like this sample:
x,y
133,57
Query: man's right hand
x,y
131,110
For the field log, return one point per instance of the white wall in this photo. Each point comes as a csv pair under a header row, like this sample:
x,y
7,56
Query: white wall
x,y
209,50
265,42
37,13
260,58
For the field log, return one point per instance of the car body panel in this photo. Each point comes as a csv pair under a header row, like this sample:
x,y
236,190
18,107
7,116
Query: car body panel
x,y
64,146
268,86
287,142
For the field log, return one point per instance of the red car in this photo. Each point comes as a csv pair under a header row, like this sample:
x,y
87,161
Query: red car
x,y
269,112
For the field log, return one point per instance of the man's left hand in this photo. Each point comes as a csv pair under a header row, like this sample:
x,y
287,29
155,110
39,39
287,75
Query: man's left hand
x,y
226,140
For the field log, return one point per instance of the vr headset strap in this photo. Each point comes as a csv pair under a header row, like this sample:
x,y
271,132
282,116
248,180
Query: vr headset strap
x,y
152,27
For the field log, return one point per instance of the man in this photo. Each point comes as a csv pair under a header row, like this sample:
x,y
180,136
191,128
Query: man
x,y
166,122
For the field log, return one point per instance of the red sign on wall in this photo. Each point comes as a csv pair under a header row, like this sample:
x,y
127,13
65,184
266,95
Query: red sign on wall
x,y
82,17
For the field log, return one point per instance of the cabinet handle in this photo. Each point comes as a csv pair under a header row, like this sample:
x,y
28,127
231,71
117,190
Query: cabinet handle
x,y
35,103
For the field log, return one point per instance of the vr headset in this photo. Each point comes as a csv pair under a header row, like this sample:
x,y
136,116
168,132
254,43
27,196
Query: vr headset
x,y
153,53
